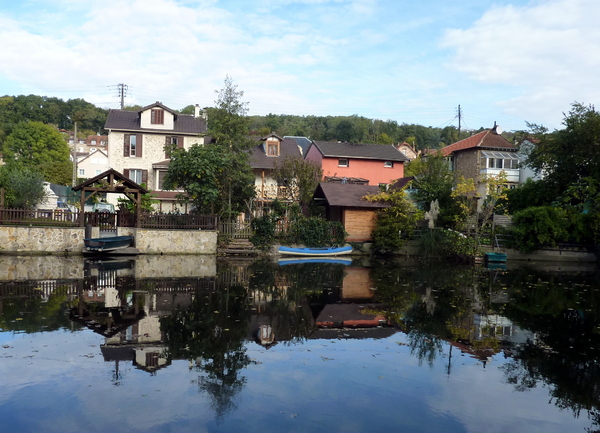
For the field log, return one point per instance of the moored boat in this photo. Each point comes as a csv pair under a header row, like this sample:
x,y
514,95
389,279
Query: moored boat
x,y
302,260
315,252
495,257
107,244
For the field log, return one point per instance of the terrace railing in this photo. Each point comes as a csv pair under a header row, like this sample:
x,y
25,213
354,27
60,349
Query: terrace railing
x,y
39,217
60,218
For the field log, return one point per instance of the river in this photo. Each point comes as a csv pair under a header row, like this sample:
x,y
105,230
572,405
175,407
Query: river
x,y
205,344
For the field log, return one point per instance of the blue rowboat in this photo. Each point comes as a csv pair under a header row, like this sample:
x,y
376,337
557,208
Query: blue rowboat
x,y
107,244
315,252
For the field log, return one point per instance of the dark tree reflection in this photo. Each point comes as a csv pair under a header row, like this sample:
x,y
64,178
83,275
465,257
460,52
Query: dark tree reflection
x,y
210,333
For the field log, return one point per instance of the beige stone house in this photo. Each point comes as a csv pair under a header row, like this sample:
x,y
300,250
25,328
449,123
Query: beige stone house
x,y
264,157
484,153
137,141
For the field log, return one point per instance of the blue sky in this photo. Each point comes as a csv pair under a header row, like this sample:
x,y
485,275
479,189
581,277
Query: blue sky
x,y
413,62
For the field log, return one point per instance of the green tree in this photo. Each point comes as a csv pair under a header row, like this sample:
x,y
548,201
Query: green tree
x,y
35,145
570,154
395,223
215,179
23,187
433,181
299,176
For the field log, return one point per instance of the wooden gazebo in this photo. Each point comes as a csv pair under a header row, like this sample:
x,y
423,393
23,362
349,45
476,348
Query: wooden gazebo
x,y
111,181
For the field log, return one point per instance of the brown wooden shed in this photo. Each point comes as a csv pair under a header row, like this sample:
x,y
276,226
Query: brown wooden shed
x,y
345,203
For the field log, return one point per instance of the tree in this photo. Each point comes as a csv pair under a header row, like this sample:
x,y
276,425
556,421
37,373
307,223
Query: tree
x,y
23,188
433,181
228,123
215,179
394,223
299,176
36,145
570,154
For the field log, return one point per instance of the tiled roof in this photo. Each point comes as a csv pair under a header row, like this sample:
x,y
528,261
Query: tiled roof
x,y
348,195
126,120
359,151
259,159
487,139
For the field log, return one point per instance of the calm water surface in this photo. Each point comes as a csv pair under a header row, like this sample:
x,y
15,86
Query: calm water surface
x,y
196,344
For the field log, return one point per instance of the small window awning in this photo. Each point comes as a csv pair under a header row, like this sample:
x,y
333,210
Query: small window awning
x,y
500,155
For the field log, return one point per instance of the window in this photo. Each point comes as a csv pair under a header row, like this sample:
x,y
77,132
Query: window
x,y
273,148
93,142
499,163
343,163
82,172
98,172
173,140
157,117
161,178
388,164
132,145
135,175
490,162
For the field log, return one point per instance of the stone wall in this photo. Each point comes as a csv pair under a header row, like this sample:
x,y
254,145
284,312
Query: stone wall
x,y
14,267
55,240
150,241
18,239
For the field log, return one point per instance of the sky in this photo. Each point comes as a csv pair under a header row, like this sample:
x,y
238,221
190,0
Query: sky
x,y
507,61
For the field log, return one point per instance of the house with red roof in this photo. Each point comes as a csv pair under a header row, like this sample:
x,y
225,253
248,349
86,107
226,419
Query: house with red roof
x,y
374,164
484,153
137,141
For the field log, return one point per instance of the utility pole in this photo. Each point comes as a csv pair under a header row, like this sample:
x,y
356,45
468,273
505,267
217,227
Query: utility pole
x,y
122,93
459,116
75,153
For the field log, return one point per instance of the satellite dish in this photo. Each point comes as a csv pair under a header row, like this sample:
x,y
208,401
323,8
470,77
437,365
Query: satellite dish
x,y
498,130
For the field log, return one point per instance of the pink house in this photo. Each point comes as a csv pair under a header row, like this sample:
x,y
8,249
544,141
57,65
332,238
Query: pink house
x,y
375,163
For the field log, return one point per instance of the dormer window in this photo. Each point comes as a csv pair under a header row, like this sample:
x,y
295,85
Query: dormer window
x,y
343,162
272,148
157,117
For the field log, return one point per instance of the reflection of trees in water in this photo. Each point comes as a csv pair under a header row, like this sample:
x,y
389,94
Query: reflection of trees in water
x,y
210,333
430,303
562,310
29,312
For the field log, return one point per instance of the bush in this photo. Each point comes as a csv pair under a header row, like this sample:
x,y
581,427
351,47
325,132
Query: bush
x,y
542,225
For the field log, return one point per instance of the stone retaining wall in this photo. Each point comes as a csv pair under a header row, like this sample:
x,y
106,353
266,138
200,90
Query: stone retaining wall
x,y
69,240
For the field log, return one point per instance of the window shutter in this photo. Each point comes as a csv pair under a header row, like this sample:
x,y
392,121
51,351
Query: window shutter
x,y
126,172
180,142
145,177
138,152
167,144
126,145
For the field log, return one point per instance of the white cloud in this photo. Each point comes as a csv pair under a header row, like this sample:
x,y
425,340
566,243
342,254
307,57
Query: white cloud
x,y
550,49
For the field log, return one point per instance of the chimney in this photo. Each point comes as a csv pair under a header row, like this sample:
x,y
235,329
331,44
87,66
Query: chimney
x,y
197,111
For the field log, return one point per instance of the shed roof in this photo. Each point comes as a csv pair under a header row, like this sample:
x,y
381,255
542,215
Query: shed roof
x,y
347,195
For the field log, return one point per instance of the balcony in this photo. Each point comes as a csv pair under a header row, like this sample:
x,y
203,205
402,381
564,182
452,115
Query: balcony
x,y
512,174
272,192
